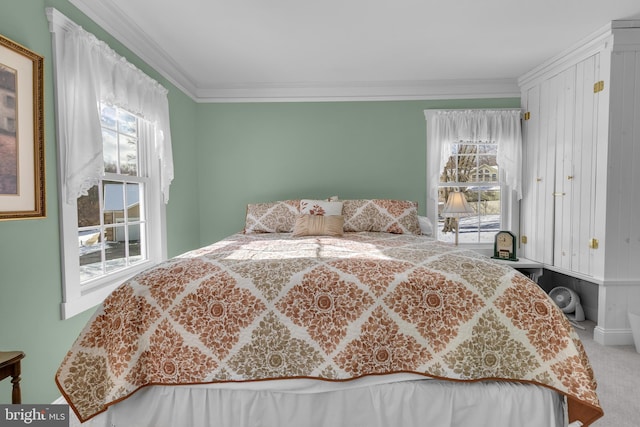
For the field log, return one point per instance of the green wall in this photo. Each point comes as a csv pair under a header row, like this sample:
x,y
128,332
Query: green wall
x,y
262,152
225,156
30,273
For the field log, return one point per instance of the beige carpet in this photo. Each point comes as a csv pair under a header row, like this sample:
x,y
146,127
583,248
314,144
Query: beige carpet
x,y
617,370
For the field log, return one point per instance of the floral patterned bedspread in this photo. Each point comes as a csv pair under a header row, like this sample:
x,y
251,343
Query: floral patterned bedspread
x,y
267,306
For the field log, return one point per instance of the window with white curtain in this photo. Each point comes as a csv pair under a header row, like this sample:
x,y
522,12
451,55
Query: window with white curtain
x,y
477,152
115,165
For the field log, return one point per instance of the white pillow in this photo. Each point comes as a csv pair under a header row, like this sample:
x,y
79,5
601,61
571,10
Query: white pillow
x,y
320,207
426,227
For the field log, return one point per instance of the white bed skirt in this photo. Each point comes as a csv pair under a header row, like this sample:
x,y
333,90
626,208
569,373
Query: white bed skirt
x,y
411,403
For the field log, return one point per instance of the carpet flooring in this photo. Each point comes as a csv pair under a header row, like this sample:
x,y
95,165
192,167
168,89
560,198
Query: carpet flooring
x,y
617,371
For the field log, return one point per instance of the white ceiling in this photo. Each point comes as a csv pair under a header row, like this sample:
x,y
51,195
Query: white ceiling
x,y
217,50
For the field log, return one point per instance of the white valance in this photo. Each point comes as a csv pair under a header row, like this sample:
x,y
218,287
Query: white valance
x,y
501,127
90,72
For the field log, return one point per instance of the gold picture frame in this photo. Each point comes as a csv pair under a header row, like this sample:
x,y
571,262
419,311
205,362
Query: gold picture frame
x,y
22,177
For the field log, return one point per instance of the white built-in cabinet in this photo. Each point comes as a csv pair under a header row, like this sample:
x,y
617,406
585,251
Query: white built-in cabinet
x,y
580,212
560,176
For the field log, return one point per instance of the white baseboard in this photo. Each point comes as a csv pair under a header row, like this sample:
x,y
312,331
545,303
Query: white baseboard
x,y
612,336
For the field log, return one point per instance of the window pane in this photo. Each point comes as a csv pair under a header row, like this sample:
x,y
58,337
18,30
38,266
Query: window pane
x,y
488,149
477,227
113,202
115,248
447,225
135,251
487,160
128,155
89,208
10,101
133,201
485,173
489,213
110,150
90,249
470,225
127,123
107,116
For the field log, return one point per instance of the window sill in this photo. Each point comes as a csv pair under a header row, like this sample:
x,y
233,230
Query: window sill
x,y
95,293
482,248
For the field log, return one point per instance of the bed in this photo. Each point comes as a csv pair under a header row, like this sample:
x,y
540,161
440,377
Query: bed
x,y
326,314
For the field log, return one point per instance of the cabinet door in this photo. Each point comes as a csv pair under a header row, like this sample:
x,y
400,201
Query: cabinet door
x,y
530,102
538,163
546,171
584,165
563,195
575,166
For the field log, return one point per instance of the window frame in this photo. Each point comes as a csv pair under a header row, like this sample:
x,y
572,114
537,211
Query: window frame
x,y
78,297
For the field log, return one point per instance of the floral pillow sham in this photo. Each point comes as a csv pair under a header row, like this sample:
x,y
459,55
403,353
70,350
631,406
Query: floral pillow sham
x,y
271,217
384,215
378,215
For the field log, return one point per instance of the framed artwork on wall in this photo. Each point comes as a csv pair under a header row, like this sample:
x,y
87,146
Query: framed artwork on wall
x,y
22,179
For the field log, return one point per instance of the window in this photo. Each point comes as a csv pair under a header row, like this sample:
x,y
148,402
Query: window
x,y
117,229
115,164
10,101
10,124
112,225
477,152
468,170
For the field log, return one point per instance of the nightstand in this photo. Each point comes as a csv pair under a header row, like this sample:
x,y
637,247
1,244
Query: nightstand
x,y
10,366
531,269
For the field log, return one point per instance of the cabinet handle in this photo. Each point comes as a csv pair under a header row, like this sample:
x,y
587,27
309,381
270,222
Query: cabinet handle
x,y
559,194
570,177
538,179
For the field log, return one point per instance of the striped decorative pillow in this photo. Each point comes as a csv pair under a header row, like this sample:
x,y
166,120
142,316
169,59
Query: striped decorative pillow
x,y
318,225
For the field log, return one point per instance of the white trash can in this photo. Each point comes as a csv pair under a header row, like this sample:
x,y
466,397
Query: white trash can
x,y
634,319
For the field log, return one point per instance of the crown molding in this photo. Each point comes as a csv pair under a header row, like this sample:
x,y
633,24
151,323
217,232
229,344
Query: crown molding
x,y
362,91
582,49
127,32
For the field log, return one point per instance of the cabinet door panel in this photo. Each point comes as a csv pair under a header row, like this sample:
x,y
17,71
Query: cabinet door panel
x,y
530,164
565,84
538,175
584,165
621,195
544,199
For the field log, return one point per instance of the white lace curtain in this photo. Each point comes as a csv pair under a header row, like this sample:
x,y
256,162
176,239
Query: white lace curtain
x,y
89,72
501,127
